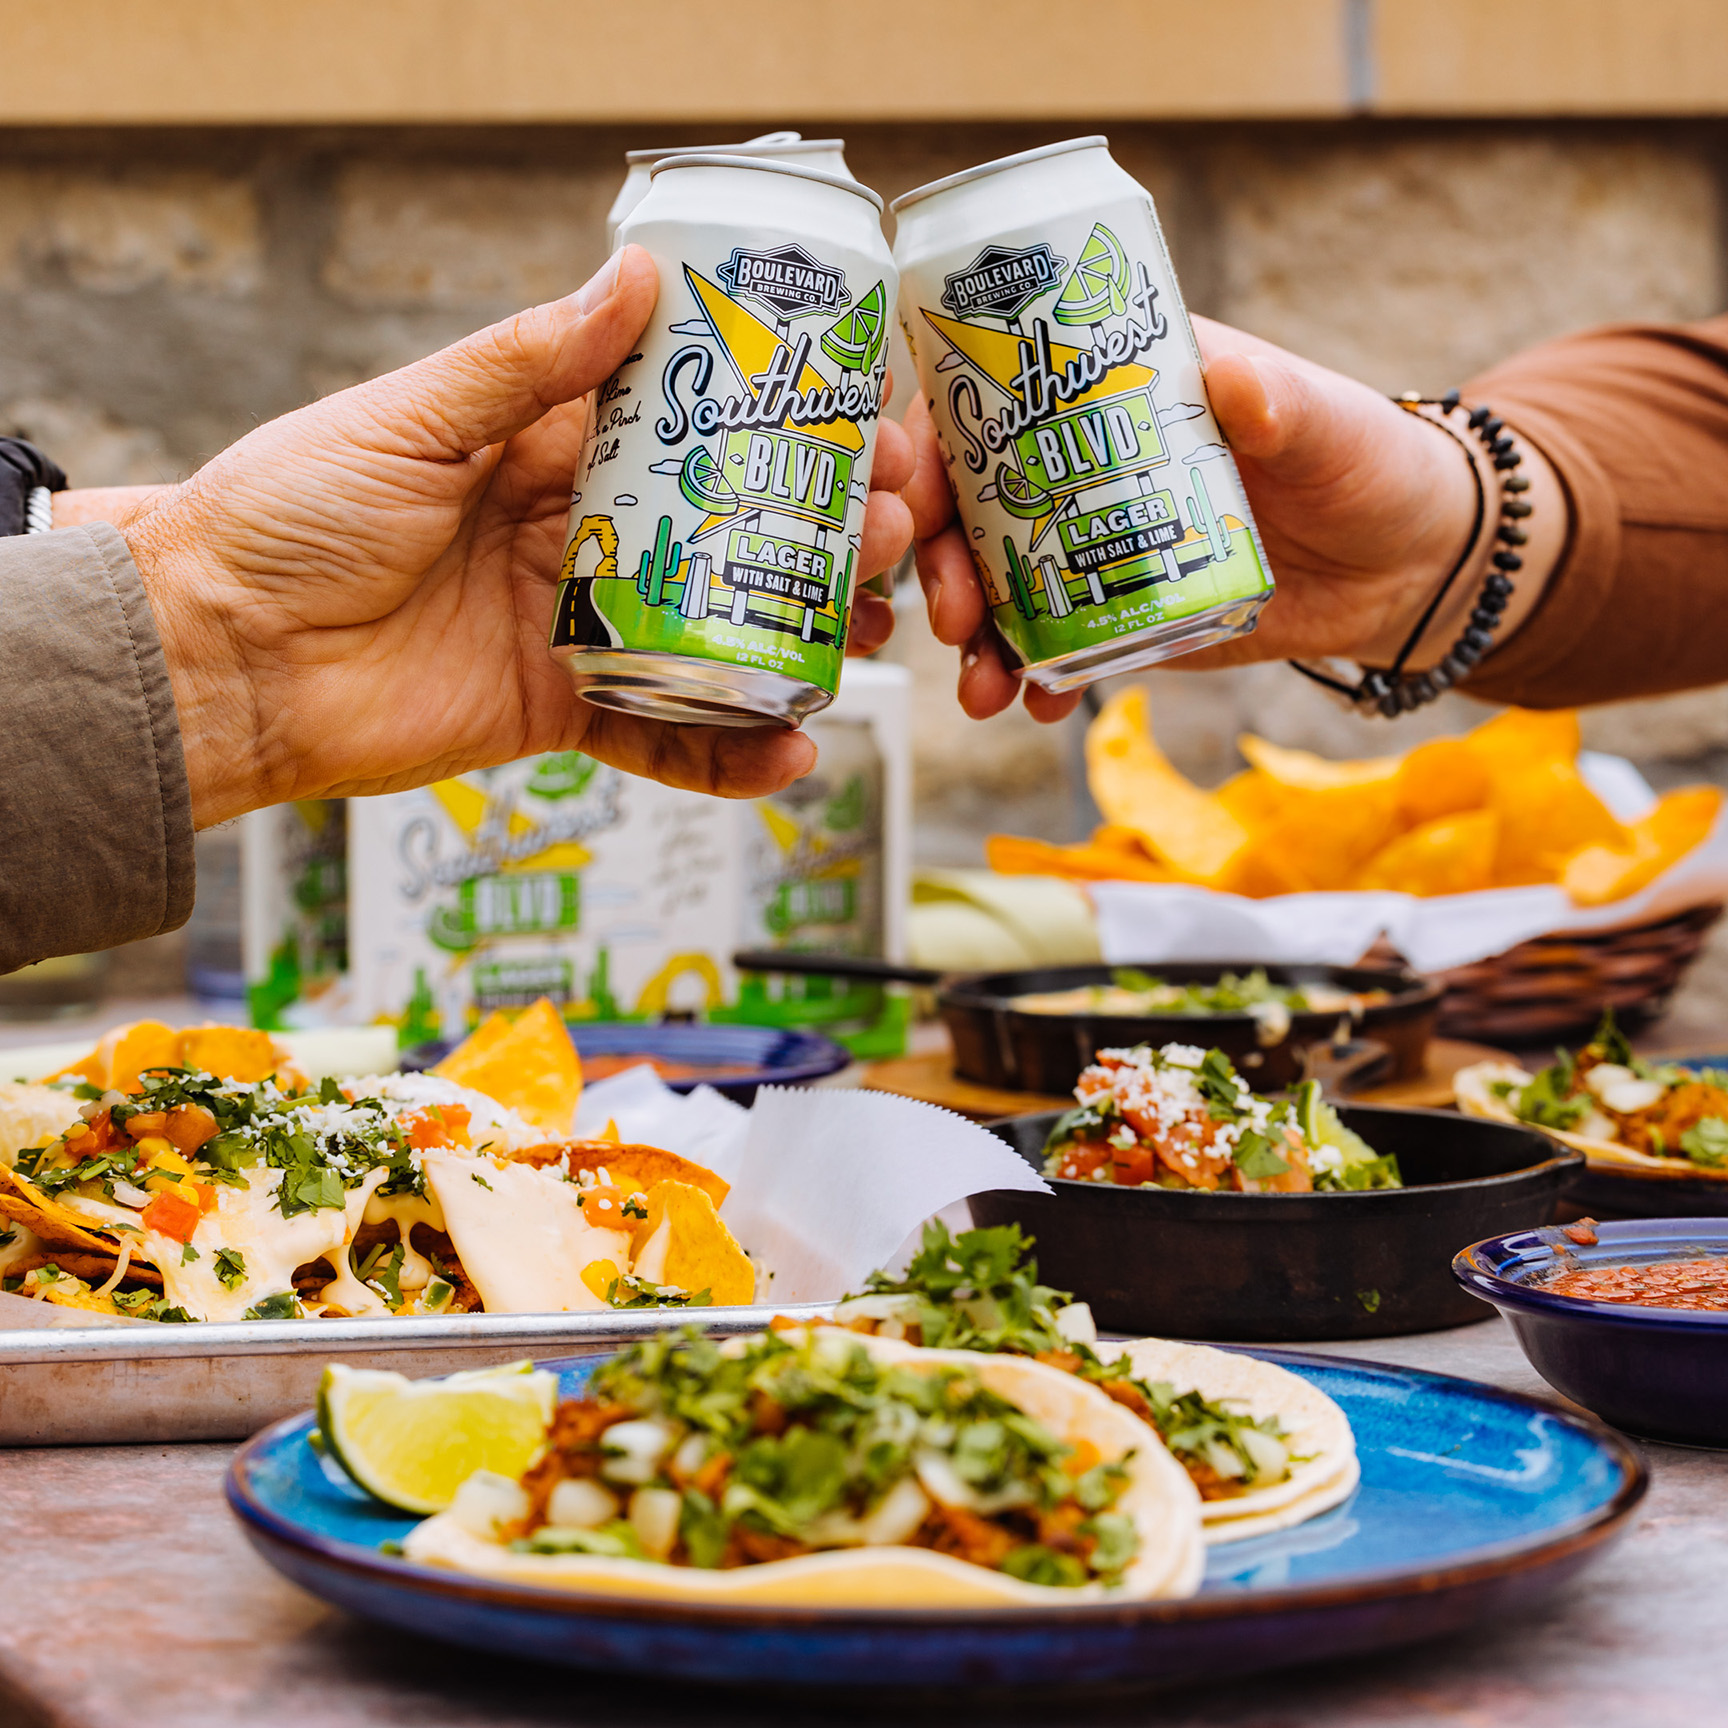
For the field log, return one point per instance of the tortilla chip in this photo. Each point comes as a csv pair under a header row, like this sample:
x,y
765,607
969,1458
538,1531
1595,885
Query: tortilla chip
x,y
1009,855
1303,771
1596,875
1522,736
88,1300
94,1269
700,1252
1547,813
1451,855
1136,787
47,1217
1444,777
643,1166
1253,798
229,1052
1323,838
528,1065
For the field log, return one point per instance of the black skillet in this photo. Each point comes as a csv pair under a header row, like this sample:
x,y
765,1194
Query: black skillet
x,y
1288,1268
998,1044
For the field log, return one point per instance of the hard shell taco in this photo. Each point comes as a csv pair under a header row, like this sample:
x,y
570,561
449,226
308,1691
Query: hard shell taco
x,y
1263,1448
813,1466
1612,1105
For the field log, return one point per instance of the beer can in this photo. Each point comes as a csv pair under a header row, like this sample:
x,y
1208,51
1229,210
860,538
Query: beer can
x,y
1103,511
712,553
828,154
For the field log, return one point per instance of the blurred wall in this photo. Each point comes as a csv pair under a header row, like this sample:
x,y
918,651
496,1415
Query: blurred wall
x,y
163,286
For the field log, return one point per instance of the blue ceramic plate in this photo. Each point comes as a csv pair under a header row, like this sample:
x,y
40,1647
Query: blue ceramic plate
x,y
740,1058
1473,1501
1660,1372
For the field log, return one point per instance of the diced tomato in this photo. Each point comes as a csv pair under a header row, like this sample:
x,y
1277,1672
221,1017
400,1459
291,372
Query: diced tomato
x,y
172,1215
1128,1169
438,1125
1080,1158
187,1127
147,1122
603,1207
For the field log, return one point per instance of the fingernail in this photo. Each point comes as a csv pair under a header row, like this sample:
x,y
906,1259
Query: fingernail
x,y
598,288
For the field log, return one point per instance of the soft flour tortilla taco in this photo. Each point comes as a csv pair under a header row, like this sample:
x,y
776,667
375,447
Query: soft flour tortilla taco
x,y
1262,1447
1612,1105
1321,1469
817,1467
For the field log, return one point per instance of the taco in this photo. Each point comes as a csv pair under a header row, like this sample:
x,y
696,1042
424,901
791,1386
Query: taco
x,y
811,1466
1612,1105
1263,1448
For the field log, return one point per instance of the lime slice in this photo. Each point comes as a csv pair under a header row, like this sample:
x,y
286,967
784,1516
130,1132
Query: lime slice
x,y
701,481
1018,496
1321,1125
855,342
1098,284
413,1443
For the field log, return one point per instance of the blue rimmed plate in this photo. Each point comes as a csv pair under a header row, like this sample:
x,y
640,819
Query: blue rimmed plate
x,y
1473,1501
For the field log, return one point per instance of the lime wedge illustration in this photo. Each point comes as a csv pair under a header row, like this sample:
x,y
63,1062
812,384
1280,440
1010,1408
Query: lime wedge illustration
x,y
562,775
1098,285
855,341
701,481
1018,496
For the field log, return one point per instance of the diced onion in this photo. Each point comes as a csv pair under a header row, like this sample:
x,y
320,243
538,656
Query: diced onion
x,y
634,1450
1271,1456
580,1503
654,1514
486,1501
127,1195
1075,1323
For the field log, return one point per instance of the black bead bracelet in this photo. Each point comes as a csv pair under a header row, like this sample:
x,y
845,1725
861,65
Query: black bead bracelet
x,y
1392,691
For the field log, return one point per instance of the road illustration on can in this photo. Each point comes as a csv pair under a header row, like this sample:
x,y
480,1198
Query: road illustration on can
x,y
1100,501
724,481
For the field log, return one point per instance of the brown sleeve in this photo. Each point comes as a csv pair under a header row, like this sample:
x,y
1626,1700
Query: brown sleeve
x,y
94,805
1634,419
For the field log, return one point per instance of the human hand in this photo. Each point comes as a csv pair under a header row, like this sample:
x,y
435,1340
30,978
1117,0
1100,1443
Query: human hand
x,y
356,598
1362,508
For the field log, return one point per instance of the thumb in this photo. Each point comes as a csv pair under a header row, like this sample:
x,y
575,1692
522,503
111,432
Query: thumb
x,y
1302,425
490,385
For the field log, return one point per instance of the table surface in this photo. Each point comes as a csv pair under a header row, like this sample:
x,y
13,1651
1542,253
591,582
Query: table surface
x,y
131,1601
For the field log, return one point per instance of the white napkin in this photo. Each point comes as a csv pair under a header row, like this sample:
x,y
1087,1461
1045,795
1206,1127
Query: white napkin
x,y
826,1185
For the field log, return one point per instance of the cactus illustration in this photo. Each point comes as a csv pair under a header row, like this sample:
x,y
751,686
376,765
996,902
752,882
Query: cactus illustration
x,y
1019,579
659,565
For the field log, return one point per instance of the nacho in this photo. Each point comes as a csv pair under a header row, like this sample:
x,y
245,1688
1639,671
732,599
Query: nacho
x,y
805,1406
642,1166
684,1243
528,1064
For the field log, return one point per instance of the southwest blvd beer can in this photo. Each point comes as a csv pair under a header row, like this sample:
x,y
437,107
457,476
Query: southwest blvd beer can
x,y
828,154
714,528
1103,511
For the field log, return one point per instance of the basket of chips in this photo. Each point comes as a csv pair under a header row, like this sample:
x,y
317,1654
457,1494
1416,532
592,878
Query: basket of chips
x,y
1541,883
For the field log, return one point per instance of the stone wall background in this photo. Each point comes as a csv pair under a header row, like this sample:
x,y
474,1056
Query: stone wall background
x,y
162,291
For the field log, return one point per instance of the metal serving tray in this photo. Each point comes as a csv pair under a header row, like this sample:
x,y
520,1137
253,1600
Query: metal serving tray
x,y
66,1382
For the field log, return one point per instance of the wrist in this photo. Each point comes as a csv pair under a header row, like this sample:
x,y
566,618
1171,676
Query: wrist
x,y
206,664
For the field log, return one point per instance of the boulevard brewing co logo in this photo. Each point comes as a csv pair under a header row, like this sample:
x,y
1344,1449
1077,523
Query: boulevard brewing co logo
x,y
1001,280
788,281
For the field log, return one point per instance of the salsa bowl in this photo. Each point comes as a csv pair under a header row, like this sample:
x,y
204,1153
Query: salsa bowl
x,y
1286,1268
1657,1372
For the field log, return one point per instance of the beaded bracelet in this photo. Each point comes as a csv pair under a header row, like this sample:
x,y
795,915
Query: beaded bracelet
x,y
1393,691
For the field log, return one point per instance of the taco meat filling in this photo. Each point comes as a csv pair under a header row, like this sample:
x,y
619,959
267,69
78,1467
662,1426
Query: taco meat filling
x,y
980,1291
702,1456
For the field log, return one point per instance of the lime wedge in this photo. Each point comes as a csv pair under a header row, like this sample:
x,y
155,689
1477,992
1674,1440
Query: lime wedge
x,y
855,341
1098,284
1018,496
413,1443
701,481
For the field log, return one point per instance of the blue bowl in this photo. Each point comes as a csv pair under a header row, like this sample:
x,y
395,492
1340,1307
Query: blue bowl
x,y
752,1055
1657,1372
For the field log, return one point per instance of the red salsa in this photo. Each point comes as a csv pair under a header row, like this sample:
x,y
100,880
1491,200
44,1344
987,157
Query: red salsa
x,y
1664,1284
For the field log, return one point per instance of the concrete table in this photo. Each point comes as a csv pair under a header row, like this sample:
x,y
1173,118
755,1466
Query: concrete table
x,y
129,1599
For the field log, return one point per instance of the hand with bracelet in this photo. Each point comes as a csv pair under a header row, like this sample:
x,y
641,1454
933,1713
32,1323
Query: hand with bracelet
x,y
1365,507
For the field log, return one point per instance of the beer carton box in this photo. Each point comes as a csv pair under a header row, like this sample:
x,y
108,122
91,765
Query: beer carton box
x,y
294,913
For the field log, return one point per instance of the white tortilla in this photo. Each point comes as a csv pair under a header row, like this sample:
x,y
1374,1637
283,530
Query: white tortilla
x,y
1472,1088
1158,1497
1315,1430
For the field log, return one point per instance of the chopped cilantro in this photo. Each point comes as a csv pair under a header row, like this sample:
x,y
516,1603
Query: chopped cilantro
x,y
188,1254
630,1291
482,1181
385,1273
284,1305
230,1268
1255,1158
1706,1143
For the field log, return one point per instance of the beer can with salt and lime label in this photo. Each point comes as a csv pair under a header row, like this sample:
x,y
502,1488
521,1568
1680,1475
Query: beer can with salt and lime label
x,y
715,522
1104,513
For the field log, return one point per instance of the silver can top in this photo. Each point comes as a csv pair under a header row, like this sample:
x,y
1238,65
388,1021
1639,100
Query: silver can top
x,y
767,141
768,165
1002,163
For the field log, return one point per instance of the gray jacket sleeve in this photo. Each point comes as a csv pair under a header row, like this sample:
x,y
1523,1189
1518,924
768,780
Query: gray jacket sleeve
x,y
95,810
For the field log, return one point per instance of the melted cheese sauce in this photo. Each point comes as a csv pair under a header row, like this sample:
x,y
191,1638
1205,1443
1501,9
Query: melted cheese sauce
x,y
520,1234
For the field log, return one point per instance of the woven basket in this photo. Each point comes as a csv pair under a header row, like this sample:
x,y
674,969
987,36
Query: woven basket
x,y
1555,987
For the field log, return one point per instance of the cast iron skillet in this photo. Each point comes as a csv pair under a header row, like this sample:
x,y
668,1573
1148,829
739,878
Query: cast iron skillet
x,y
1284,1268
997,1044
